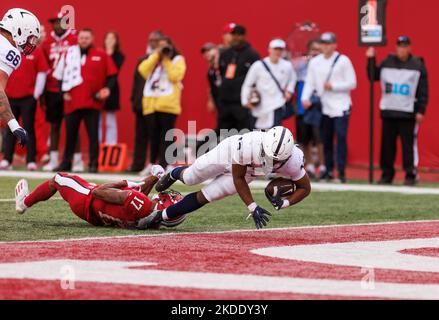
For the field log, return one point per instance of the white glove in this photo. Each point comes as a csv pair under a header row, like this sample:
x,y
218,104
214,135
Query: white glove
x,y
157,171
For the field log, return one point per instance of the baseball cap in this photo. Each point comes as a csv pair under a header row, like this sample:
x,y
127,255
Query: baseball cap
x,y
328,37
277,44
238,29
228,28
57,15
207,46
403,40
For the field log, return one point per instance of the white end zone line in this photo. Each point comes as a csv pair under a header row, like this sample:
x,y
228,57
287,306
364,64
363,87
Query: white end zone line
x,y
168,234
316,186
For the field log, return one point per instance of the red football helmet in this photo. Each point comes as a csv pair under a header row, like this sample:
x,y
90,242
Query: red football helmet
x,y
165,200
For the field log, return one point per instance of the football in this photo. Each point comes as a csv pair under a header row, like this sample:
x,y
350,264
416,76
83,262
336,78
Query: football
x,y
280,187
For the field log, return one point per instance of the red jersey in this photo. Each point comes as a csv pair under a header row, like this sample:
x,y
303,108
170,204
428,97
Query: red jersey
x,y
21,83
54,47
136,206
78,194
97,67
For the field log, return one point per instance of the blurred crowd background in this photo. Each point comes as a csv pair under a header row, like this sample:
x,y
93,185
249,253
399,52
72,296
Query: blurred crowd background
x,y
243,66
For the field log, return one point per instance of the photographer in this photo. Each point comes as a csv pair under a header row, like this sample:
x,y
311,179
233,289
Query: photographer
x,y
273,79
163,70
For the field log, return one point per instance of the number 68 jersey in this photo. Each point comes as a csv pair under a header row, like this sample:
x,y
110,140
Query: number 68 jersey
x,y
10,57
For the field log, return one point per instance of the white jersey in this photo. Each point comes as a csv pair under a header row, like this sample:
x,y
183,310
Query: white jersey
x,y
10,57
248,152
245,150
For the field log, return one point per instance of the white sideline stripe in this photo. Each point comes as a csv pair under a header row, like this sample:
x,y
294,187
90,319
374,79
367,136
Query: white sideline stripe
x,y
122,272
13,200
167,234
316,186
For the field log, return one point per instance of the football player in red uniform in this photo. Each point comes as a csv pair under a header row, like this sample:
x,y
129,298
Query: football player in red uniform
x,y
123,204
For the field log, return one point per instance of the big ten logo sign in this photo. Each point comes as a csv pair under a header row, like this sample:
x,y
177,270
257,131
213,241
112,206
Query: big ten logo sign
x,y
398,89
113,157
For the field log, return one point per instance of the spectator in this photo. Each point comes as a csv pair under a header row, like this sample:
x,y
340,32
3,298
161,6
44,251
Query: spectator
x,y
331,77
308,134
112,104
24,88
54,48
88,77
142,130
234,64
404,99
227,36
211,53
274,79
164,71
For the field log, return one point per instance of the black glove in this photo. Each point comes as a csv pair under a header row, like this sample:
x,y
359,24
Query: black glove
x,y
276,201
21,135
260,216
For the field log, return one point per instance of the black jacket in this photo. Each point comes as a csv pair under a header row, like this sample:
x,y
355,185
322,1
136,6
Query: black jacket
x,y
113,101
137,88
230,89
421,95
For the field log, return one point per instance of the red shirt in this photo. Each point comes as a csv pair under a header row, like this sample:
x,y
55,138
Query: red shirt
x,y
54,47
136,206
94,72
21,83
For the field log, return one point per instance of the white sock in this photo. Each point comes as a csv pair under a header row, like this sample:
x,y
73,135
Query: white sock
x,y
164,215
53,155
77,157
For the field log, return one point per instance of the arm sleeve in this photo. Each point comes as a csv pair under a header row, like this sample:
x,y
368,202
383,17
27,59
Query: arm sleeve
x,y
373,71
40,84
146,67
111,82
175,69
309,86
349,81
422,92
291,85
249,81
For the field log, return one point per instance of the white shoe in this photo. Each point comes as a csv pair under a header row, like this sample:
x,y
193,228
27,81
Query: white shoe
x,y
21,192
146,171
32,166
45,159
49,167
78,166
5,165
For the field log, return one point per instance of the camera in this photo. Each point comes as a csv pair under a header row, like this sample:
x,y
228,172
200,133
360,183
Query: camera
x,y
166,51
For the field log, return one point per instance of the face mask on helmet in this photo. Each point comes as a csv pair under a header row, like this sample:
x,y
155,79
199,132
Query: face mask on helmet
x,y
270,165
29,46
167,198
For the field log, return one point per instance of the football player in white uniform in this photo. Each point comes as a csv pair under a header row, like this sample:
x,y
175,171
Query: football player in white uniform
x,y
232,165
19,34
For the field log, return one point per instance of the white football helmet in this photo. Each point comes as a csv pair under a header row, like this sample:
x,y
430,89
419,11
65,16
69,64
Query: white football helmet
x,y
24,28
278,144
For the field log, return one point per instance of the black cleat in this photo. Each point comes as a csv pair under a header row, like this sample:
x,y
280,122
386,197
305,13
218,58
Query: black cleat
x,y
153,221
164,182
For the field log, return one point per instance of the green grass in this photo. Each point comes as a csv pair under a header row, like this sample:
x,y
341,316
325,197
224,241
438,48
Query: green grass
x,y
54,220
